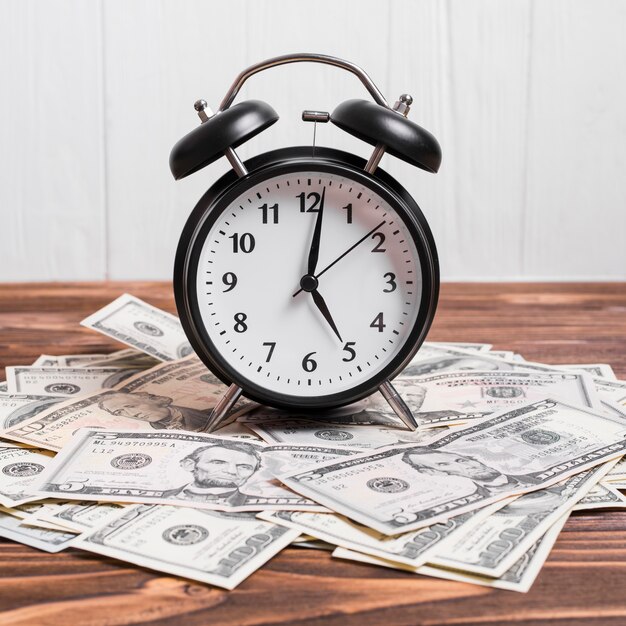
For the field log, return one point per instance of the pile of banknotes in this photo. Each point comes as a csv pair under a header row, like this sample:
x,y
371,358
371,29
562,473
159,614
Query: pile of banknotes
x,y
105,453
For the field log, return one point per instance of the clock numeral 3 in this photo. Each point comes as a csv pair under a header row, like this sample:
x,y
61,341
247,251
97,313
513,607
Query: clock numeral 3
x,y
315,199
350,350
391,281
240,323
266,210
245,242
309,364
381,241
377,322
230,280
272,345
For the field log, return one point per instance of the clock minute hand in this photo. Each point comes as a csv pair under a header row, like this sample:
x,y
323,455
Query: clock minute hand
x,y
320,303
352,247
314,252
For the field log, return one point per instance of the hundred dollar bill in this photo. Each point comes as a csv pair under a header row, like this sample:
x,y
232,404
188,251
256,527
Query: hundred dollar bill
x,y
303,431
491,546
170,396
402,488
601,370
179,468
457,397
602,496
519,578
19,470
220,549
63,381
412,548
16,408
47,540
142,326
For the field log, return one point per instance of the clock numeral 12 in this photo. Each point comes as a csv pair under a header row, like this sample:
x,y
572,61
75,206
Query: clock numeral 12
x,y
245,242
316,199
377,322
266,210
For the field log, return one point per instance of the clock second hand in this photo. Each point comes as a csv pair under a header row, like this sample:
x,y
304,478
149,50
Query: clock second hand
x,y
352,247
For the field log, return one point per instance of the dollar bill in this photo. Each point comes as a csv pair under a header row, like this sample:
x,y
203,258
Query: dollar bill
x,y
68,360
142,326
412,548
303,431
502,354
474,347
179,468
19,470
79,516
3,387
601,370
29,514
403,488
519,578
63,381
453,398
491,546
16,408
47,540
172,395
602,496
129,357
611,390
220,549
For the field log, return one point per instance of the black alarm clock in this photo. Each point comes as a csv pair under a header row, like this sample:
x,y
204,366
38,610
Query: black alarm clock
x,y
306,277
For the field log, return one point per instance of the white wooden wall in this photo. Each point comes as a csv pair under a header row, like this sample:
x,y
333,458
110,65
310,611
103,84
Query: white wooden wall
x,y
527,98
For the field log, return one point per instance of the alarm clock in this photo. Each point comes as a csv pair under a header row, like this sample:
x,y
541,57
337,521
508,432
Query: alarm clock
x,y
306,278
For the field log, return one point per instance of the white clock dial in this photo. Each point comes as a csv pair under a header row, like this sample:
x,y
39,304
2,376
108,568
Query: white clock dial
x,y
284,338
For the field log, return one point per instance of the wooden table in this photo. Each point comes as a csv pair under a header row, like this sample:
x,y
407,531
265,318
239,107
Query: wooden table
x,y
583,582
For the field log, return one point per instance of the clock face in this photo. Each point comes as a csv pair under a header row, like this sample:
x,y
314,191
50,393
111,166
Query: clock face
x,y
297,322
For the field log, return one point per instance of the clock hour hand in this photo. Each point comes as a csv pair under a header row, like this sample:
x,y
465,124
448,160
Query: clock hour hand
x,y
320,303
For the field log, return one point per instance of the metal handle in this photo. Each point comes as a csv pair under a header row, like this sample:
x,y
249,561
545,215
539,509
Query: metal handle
x,y
298,58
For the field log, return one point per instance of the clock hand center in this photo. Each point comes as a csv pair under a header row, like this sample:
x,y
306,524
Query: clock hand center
x,y
352,247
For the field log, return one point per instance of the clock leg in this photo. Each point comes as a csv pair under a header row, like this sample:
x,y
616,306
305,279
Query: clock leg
x,y
222,408
398,405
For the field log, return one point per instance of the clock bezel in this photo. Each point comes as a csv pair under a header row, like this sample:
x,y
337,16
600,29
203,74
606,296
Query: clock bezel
x,y
275,163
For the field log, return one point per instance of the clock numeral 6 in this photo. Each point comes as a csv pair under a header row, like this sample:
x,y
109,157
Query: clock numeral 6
x,y
381,241
230,280
240,323
350,350
377,322
309,364
391,281
315,197
272,345
266,210
244,242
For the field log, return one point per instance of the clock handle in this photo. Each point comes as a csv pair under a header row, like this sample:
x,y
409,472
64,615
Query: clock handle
x,y
398,405
222,408
299,58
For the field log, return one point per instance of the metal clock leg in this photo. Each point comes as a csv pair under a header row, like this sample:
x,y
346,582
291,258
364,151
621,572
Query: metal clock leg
x,y
222,408
398,405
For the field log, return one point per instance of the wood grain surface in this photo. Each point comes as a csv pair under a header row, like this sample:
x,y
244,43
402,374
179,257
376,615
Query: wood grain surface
x,y
583,581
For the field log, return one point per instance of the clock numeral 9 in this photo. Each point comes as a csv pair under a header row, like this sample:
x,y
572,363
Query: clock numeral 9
x,y
240,323
272,345
230,280
377,322
309,364
391,281
313,207
381,241
350,350
245,242
266,210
